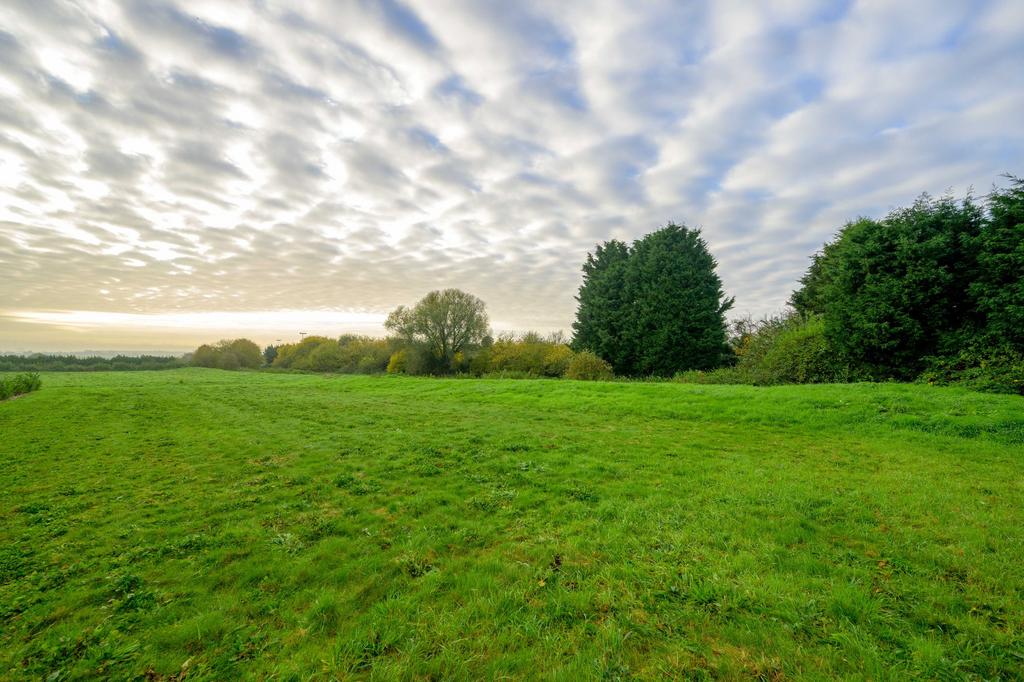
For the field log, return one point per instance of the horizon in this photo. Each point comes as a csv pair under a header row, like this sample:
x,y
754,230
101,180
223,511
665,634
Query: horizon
x,y
174,173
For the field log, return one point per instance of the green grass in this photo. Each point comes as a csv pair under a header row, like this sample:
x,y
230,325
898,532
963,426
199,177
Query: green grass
x,y
291,527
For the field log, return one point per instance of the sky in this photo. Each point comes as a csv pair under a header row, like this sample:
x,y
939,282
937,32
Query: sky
x,y
179,172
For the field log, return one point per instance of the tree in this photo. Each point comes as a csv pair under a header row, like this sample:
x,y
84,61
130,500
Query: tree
x,y
600,316
443,322
586,366
998,291
247,352
296,355
326,357
228,354
205,356
809,299
269,353
896,290
676,318
655,308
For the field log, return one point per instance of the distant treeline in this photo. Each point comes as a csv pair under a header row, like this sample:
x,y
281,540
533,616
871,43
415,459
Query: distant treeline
x,y
37,362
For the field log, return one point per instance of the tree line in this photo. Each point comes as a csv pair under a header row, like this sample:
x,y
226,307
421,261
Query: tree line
x,y
934,288
447,332
54,362
931,292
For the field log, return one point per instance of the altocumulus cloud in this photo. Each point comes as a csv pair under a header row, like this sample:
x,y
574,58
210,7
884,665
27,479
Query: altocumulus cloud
x,y
177,160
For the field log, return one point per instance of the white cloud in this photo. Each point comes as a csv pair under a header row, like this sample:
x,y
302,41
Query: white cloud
x,y
191,159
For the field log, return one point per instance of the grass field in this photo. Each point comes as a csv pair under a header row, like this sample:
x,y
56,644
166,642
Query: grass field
x,y
214,525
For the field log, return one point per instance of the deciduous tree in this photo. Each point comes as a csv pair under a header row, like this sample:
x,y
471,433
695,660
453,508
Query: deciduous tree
x,y
443,322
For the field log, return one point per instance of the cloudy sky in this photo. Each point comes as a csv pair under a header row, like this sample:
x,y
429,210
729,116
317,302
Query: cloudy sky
x,y
170,171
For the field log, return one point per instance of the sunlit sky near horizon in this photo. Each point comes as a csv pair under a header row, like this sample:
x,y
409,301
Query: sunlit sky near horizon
x,y
178,172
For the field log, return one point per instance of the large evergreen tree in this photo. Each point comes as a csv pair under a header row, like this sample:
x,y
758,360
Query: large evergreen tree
x,y
655,308
895,291
999,288
810,299
600,317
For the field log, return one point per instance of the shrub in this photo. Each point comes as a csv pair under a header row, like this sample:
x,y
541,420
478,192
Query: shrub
x,y
480,362
349,353
296,355
19,384
460,363
372,364
586,366
999,371
529,354
205,356
785,349
247,352
364,354
326,357
421,361
798,353
396,365
228,354
557,360
228,360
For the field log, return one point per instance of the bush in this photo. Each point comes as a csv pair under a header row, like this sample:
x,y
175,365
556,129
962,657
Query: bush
x,y
421,361
248,353
1000,371
365,355
416,360
326,357
229,354
205,356
585,366
786,349
531,354
397,363
557,360
228,361
479,363
348,354
783,349
296,355
798,353
19,384
372,364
